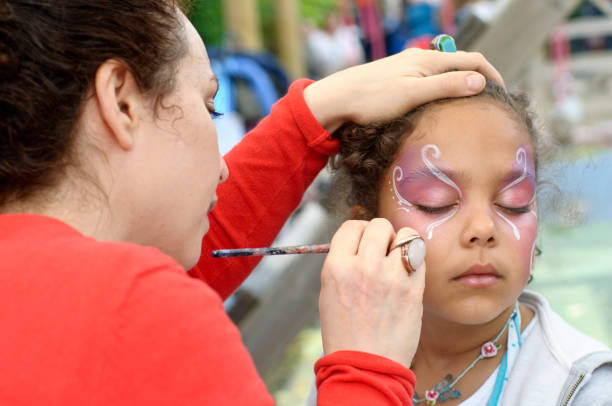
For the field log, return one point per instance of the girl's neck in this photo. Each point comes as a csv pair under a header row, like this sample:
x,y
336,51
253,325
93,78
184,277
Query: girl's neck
x,y
444,343
449,348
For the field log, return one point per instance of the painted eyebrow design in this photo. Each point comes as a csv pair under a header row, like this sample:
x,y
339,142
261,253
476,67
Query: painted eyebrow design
x,y
515,174
423,173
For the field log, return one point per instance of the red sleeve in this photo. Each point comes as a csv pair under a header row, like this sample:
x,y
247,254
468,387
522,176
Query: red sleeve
x,y
269,172
163,352
357,378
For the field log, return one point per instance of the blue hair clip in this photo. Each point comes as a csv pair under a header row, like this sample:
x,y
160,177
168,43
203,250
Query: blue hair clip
x,y
443,43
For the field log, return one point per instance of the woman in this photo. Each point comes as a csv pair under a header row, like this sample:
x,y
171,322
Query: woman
x,y
109,166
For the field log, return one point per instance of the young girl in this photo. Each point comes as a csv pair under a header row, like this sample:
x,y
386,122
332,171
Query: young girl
x,y
463,173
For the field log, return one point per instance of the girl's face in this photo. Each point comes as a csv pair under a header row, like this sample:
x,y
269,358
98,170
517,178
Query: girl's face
x,y
465,180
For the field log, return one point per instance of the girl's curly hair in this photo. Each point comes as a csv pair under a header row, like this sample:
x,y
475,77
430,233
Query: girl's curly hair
x,y
368,151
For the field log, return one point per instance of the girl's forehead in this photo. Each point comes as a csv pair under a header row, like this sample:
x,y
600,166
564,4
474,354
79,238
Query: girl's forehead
x,y
471,132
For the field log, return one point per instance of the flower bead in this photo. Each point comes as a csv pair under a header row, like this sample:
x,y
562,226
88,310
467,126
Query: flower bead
x,y
432,396
488,350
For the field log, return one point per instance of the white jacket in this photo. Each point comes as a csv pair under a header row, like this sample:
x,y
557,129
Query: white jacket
x,y
557,364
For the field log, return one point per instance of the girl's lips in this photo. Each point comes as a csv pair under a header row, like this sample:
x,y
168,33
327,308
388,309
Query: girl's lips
x,y
478,281
479,276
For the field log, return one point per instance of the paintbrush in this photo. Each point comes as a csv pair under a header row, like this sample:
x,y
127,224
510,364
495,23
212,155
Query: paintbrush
x,y
252,252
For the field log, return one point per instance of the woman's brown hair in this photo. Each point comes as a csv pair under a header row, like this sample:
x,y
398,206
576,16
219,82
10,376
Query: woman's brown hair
x,y
50,51
368,151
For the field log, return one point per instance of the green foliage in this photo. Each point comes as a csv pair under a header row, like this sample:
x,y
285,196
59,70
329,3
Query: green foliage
x,y
316,11
207,17
267,19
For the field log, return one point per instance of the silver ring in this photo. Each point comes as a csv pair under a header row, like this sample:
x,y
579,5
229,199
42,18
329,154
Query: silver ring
x,y
404,241
412,252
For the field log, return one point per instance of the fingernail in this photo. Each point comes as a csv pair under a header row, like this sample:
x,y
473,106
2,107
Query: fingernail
x,y
416,253
475,82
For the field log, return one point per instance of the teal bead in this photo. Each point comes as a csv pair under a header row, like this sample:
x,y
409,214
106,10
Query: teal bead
x,y
444,43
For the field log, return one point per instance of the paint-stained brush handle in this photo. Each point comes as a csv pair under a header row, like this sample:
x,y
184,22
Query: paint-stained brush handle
x,y
252,252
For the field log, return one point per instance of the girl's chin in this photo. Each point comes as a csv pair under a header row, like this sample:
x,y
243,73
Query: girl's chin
x,y
472,313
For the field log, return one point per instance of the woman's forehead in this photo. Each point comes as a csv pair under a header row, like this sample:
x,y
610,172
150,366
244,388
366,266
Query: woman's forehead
x,y
196,63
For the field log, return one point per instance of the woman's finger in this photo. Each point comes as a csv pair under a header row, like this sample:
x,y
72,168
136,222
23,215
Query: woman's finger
x,y
444,85
346,239
465,61
375,240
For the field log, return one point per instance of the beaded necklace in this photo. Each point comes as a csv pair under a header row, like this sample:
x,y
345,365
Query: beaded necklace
x,y
444,390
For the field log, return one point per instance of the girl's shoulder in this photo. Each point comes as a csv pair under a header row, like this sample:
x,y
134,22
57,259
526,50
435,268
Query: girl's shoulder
x,y
564,341
589,381
554,360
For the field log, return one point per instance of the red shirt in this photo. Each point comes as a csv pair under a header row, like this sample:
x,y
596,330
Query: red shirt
x,y
104,323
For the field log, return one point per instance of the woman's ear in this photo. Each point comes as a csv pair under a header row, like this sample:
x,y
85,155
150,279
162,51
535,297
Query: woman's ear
x,y
119,101
359,213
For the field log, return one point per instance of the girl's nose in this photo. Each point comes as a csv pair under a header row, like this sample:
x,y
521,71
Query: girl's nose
x,y
479,229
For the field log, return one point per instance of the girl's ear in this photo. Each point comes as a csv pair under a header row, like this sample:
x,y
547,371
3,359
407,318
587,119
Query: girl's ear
x,y
359,213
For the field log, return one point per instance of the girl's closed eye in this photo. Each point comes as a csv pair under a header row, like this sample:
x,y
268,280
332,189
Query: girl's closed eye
x,y
430,196
434,209
517,200
514,210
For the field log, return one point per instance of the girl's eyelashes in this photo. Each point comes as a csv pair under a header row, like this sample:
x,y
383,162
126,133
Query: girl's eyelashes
x,y
434,210
442,209
515,210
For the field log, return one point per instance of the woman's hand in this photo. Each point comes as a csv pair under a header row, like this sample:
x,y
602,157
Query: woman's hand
x,y
369,302
390,87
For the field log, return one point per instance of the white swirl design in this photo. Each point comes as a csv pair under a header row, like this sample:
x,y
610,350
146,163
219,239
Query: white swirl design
x,y
440,175
515,230
434,170
521,158
436,223
398,175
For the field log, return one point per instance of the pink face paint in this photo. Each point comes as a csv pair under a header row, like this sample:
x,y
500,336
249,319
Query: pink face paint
x,y
429,230
518,190
427,197
520,193
428,186
434,170
532,255
398,176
